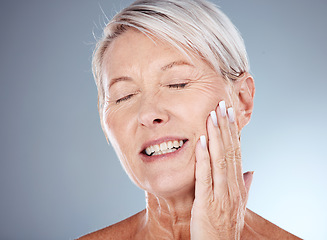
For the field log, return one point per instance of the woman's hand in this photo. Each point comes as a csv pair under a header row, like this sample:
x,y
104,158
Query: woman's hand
x,y
221,193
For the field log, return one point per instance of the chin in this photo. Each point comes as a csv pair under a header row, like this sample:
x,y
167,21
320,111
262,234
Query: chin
x,y
171,184
165,175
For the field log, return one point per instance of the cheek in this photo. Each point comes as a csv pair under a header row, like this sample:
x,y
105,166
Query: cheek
x,y
114,121
196,104
119,137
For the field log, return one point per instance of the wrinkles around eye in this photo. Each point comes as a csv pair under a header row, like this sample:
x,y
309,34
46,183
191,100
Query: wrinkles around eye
x,y
173,86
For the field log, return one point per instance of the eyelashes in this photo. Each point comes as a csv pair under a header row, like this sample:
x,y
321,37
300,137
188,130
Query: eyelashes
x,y
178,85
124,98
129,96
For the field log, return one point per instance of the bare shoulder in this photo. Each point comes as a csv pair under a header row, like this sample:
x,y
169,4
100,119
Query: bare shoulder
x,y
125,229
256,227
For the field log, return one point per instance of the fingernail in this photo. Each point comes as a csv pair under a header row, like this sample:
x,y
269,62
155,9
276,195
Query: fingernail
x,y
213,116
231,114
203,141
222,107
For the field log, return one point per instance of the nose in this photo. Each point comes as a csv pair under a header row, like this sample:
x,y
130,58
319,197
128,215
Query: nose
x,y
152,113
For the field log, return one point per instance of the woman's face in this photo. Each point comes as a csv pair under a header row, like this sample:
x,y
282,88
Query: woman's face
x,y
157,99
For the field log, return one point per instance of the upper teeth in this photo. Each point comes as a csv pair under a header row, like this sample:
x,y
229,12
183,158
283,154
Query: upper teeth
x,y
165,147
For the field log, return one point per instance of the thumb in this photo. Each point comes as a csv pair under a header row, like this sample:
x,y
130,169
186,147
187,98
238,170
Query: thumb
x,y
248,177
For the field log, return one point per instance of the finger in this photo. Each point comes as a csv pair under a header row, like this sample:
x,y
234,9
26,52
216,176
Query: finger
x,y
217,157
237,149
223,124
248,177
203,179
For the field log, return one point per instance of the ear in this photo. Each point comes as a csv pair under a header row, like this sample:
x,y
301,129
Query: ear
x,y
244,89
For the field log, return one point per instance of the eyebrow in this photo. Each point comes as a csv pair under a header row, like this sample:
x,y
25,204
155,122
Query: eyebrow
x,y
119,79
175,63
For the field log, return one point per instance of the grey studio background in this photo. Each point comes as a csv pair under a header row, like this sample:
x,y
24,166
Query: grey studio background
x,y
58,177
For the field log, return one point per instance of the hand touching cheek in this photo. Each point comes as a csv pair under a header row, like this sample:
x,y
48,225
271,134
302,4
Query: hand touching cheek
x,y
221,190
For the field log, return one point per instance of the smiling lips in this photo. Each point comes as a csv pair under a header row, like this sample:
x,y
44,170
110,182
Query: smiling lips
x,y
164,147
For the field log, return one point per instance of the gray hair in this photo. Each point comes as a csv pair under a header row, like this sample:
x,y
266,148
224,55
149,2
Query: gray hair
x,y
192,26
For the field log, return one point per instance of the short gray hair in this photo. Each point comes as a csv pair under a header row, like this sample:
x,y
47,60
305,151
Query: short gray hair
x,y
192,26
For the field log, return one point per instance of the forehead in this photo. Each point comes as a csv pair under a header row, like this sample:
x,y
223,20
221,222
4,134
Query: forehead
x,y
137,52
135,47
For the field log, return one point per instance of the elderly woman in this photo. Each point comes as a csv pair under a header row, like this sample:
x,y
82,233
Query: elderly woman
x,y
174,92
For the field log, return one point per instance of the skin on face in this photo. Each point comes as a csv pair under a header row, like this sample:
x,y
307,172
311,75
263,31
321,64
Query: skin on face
x,y
154,93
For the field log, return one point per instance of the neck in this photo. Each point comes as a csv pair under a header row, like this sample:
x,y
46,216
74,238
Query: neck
x,y
168,216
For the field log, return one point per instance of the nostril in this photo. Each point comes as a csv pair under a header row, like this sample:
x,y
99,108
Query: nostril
x,y
157,120
151,116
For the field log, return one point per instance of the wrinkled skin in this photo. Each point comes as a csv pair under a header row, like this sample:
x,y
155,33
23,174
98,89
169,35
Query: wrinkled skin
x,y
154,93
220,192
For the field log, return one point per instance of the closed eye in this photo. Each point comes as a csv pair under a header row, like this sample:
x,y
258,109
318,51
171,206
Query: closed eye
x,y
177,86
124,98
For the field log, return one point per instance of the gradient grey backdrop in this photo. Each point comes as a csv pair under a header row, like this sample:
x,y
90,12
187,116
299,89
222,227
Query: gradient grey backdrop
x,y
58,177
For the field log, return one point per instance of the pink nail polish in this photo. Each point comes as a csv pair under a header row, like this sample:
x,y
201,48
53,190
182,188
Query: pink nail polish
x,y
231,116
213,116
222,107
203,141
